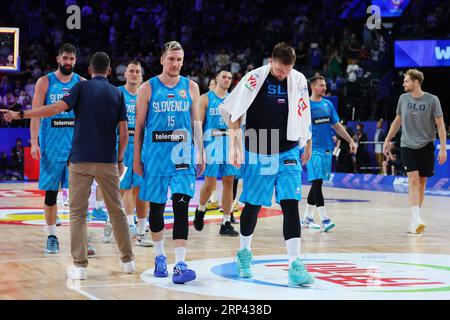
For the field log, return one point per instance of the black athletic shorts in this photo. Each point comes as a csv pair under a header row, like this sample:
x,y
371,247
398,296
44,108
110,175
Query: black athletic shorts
x,y
421,160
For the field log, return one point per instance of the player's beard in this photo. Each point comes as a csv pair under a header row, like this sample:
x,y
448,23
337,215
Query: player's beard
x,y
66,69
174,73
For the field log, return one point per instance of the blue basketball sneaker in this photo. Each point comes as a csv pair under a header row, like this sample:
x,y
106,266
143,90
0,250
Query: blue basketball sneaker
x,y
327,225
181,273
243,262
298,275
52,245
161,267
98,215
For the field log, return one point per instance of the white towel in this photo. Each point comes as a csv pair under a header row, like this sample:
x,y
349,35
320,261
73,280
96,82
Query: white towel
x,y
239,100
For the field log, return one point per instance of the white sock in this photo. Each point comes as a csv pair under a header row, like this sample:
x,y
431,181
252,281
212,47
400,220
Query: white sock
x,y
130,219
415,211
245,241
293,249
201,207
51,229
99,204
309,211
141,225
226,218
159,248
180,254
323,215
213,197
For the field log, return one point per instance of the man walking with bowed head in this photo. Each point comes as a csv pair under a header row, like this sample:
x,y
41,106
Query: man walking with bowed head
x,y
273,101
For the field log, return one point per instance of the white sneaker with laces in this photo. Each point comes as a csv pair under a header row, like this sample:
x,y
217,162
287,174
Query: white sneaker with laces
x,y
143,240
76,273
129,267
417,226
309,223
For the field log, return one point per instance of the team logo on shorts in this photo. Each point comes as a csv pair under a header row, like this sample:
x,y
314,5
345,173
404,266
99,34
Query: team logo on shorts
x,y
182,93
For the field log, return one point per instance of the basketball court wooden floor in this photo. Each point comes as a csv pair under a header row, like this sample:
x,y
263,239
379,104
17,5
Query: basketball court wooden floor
x,y
369,255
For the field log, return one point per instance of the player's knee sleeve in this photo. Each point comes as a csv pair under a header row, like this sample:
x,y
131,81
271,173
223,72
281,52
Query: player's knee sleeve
x,y
248,219
291,219
318,195
180,203
50,198
311,201
156,216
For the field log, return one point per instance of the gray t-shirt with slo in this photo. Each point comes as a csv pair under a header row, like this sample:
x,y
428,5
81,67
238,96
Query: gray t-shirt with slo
x,y
418,119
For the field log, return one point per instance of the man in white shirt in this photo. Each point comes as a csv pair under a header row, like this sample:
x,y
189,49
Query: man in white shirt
x,y
351,70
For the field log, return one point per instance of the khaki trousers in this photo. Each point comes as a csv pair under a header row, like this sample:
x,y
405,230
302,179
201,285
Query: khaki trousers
x,y
379,157
81,177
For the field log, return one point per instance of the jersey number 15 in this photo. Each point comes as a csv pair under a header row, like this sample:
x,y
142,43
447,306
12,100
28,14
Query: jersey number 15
x,y
171,121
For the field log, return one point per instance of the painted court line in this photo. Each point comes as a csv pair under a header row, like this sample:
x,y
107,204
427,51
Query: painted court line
x,y
86,294
218,250
116,285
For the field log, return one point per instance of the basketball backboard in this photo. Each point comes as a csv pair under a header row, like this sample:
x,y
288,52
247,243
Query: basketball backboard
x,y
9,49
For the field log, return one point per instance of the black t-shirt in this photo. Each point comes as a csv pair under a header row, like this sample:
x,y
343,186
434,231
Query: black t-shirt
x,y
98,108
269,111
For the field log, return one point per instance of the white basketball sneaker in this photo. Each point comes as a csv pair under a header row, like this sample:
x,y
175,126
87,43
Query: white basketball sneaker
x,y
417,226
129,267
309,223
76,273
